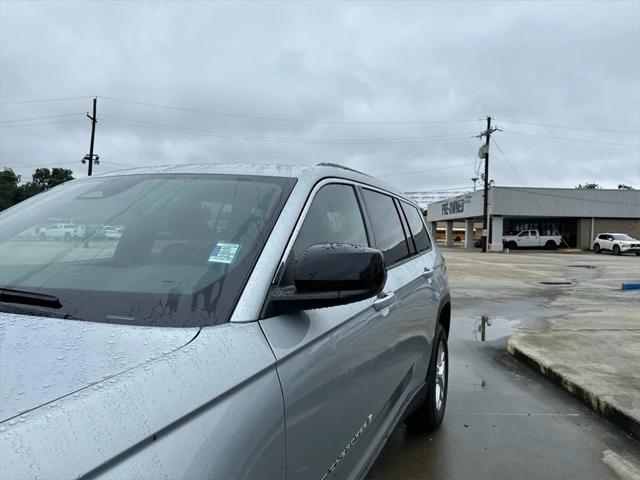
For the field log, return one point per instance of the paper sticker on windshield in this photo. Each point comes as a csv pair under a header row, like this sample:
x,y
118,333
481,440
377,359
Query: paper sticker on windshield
x,y
223,252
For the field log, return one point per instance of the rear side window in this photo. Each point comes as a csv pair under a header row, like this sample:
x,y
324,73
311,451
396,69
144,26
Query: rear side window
x,y
416,225
387,229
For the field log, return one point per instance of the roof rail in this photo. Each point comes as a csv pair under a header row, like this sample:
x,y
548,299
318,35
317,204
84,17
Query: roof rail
x,y
337,165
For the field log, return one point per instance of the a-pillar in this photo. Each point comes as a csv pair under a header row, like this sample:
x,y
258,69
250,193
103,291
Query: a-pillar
x,y
448,236
468,233
496,234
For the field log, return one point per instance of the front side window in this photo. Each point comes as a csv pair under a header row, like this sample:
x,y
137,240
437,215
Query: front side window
x,y
333,217
166,250
417,227
524,234
387,229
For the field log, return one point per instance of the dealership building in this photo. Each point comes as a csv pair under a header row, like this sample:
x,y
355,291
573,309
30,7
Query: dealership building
x,y
578,215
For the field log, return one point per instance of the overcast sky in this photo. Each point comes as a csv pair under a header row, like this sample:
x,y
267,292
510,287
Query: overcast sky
x,y
394,89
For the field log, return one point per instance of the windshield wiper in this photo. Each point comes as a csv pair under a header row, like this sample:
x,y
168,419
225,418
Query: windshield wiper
x,y
25,297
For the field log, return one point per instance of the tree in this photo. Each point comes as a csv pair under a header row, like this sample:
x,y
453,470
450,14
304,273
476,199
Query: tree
x,y
588,186
8,188
622,186
42,179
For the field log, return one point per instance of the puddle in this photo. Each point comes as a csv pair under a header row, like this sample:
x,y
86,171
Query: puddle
x,y
583,272
482,328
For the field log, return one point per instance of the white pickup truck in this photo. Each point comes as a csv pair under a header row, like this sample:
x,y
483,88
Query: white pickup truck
x,y
531,239
60,231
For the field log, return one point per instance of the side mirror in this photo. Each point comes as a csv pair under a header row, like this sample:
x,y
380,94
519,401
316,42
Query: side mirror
x,y
330,274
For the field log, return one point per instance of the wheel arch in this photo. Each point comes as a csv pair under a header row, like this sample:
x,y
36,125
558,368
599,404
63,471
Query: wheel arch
x,y
444,314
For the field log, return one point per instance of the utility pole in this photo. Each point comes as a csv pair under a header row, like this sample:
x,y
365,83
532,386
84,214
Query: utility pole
x,y
90,157
485,211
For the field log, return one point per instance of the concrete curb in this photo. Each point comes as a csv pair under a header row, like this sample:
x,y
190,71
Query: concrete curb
x,y
611,412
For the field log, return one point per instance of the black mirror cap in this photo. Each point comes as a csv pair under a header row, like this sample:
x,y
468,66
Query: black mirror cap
x,y
336,267
328,275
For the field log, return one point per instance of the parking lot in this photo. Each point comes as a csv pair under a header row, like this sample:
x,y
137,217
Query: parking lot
x,y
505,420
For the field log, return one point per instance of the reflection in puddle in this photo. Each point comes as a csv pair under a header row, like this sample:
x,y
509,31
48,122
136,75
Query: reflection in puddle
x,y
483,328
491,328
583,272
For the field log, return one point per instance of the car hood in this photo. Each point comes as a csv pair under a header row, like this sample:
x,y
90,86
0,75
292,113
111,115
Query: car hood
x,y
627,242
43,359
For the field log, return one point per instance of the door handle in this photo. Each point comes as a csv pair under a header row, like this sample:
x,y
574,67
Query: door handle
x,y
427,272
384,301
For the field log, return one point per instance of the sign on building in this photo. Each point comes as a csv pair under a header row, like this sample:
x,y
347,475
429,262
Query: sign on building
x,y
452,207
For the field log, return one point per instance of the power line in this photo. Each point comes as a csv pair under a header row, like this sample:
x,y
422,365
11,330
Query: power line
x,y
311,121
532,191
61,115
586,129
508,162
582,140
245,136
424,171
43,100
438,190
39,124
39,165
535,199
74,162
286,119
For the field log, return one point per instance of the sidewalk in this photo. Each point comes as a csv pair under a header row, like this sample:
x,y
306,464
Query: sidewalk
x,y
583,334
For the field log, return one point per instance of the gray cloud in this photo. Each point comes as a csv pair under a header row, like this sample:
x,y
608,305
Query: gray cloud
x,y
560,63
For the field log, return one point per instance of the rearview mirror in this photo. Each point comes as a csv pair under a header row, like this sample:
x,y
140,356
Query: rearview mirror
x,y
330,274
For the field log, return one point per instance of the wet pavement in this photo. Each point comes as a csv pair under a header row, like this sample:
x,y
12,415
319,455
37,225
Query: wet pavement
x,y
503,420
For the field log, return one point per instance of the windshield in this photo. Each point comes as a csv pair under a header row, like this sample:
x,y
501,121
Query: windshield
x,y
166,250
623,237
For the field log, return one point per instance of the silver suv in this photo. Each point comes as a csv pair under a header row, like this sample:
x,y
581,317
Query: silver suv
x,y
249,322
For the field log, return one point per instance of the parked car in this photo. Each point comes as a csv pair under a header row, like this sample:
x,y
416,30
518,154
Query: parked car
x,y
286,342
59,231
617,243
112,232
531,239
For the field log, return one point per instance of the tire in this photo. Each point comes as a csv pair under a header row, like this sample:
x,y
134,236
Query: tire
x,y
67,237
550,245
637,254
431,413
512,245
596,248
616,250
43,237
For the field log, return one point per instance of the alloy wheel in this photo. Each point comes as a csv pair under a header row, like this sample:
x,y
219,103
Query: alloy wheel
x,y
441,376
